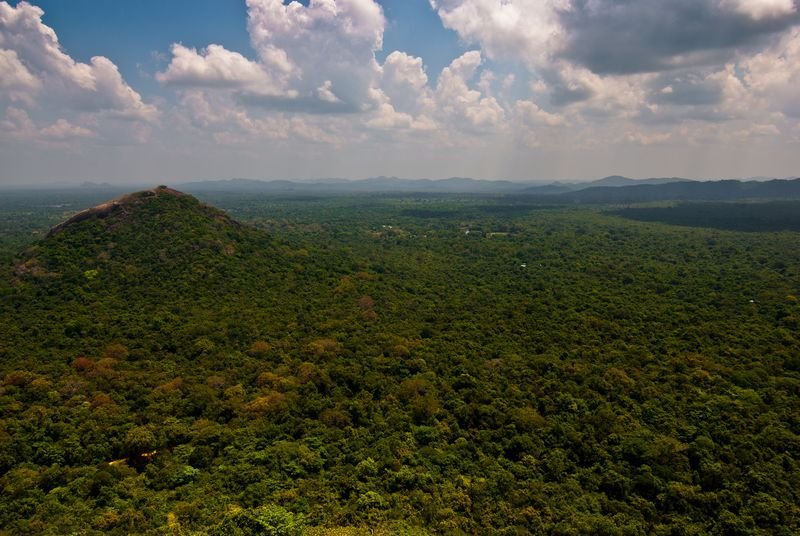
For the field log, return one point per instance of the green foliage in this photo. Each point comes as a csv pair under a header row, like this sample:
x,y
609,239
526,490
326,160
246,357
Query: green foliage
x,y
363,365
139,440
269,520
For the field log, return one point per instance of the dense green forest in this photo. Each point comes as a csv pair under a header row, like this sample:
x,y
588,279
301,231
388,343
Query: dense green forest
x,y
767,216
393,364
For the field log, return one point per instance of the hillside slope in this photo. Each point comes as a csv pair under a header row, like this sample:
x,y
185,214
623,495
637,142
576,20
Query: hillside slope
x,y
154,265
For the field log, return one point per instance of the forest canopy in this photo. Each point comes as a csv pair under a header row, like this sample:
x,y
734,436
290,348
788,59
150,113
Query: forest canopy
x,y
396,364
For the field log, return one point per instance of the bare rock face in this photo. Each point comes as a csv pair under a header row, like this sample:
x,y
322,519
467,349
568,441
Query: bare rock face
x,y
121,205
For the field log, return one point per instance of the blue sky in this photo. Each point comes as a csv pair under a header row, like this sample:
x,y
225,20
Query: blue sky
x,y
133,34
498,89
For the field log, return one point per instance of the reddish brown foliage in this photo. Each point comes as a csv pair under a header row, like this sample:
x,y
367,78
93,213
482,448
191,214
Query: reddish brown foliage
x,y
82,364
366,302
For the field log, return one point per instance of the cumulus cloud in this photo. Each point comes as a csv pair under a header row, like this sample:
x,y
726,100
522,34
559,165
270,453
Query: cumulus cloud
x,y
64,130
314,58
387,117
232,125
582,74
17,124
460,104
215,67
14,76
113,95
318,61
533,115
528,30
774,74
612,37
36,44
404,82
652,35
598,62
762,9
325,93
643,72
463,103
403,70
36,72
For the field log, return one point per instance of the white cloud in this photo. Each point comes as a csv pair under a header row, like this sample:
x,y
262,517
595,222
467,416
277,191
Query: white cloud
x,y
404,84
522,29
14,76
402,70
64,130
543,35
214,67
113,96
532,115
314,58
18,125
217,115
761,9
736,100
774,74
463,104
325,93
591,94
36,72
22,30
319,59
386,117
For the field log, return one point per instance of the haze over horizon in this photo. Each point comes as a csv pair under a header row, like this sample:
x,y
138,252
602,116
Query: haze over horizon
x,y
521,90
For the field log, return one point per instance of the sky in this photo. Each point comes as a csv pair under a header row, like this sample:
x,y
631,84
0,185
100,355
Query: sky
x,y
534,90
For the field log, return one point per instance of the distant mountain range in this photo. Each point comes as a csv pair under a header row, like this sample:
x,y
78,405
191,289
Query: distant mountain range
x,y
613,181
395,184
726,190
371,185
612,189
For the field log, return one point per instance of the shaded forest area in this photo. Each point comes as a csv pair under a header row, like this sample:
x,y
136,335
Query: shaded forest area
x,y
398,365
768,216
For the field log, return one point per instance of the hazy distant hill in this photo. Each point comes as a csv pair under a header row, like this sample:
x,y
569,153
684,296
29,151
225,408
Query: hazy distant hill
x,y
725,190
380,185
618,180
342,186
611,189
613,181
399,185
